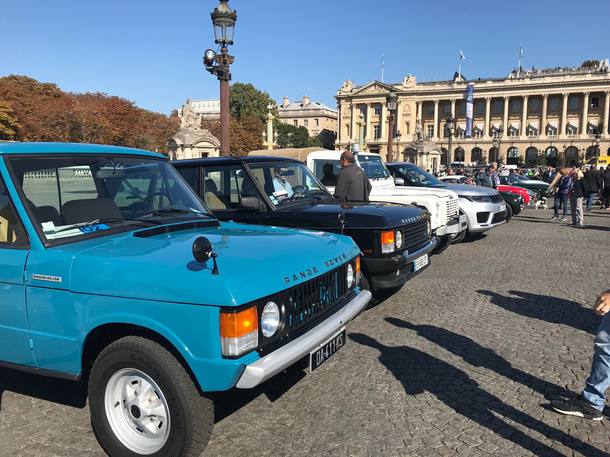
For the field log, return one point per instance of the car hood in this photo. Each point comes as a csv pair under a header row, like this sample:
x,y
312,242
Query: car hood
x,y
328,216
465,189
534,181
406,191
253,262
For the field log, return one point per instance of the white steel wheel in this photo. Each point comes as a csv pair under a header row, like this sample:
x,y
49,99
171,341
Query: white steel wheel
x,y
137,411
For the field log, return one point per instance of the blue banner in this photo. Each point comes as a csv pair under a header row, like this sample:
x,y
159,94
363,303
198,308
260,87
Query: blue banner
x,y
469,109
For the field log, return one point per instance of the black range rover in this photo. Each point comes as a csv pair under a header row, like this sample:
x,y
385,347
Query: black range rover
x,y
395,239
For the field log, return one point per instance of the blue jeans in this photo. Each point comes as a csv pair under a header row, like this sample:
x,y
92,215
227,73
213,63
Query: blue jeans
x,y
590,197
561,201
599,379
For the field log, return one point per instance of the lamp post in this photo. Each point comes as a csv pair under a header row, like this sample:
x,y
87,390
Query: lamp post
x,y
398,135
598,138
223,19
496,143
361,125
392,101
449,125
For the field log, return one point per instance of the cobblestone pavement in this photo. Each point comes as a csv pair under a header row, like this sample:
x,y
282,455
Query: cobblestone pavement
x,y
462,361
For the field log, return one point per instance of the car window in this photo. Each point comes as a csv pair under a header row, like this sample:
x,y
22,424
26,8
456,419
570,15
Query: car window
x,y
223,187
373,166
190,176
12,232
414,176
327,170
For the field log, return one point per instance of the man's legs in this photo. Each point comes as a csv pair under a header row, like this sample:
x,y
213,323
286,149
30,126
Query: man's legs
x,y
564,199
573,209
556,206
579,213
599,379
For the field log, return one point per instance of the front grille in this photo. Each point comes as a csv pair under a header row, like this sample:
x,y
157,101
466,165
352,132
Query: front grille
x,y
453,207
307,304
497,198
482,217
499,217
415,235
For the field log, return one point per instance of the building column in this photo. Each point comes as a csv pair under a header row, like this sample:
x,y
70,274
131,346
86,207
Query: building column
x,y
383,122
584,121
505,118
487,125
420,113
564,115
542,126
369,126
435,131
352,127
523,128
606,114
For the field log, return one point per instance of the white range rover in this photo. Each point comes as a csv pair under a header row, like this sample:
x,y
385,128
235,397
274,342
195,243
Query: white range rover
x,y
442,204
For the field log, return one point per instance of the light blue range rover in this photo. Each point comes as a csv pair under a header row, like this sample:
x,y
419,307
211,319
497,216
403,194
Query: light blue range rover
x,y
112,269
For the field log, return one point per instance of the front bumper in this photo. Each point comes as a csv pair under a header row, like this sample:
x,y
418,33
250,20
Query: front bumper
x,y
456,224
483,216
280,359
394,271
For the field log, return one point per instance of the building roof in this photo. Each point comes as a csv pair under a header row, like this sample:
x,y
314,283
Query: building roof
x,y
70,148
300,106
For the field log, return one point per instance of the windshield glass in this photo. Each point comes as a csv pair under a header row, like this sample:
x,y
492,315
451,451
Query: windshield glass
x,y
414,176
73,196
373,166
285,182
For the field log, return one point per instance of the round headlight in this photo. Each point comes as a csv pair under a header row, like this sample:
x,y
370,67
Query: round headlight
x,y
351,276
270,319
398,238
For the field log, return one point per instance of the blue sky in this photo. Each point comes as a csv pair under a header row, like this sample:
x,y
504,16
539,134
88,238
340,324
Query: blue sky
x,y
150,51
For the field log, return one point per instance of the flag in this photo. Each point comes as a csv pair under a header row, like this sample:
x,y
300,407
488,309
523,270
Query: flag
x,y
462,55
382,66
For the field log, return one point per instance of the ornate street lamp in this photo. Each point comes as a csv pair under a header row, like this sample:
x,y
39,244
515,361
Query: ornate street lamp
x,y
392,101
449,126
496,143
223,19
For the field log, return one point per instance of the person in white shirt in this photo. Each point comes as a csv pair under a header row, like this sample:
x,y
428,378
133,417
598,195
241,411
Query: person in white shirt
x,y
280,183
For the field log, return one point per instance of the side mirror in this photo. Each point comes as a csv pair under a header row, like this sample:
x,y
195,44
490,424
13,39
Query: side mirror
x,y
252,203
399,181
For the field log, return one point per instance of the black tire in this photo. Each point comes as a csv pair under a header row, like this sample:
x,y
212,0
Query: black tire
x,y
509,212
459,237
443,244
377,296
192,415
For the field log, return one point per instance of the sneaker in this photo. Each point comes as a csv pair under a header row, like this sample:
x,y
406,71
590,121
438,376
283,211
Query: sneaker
x,y
579,407
554,218
564,219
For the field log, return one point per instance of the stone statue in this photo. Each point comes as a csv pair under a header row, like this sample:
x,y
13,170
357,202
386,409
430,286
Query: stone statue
x,y
188,118
419,133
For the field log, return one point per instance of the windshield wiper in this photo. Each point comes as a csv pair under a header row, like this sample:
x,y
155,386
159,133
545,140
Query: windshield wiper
x,y
175,210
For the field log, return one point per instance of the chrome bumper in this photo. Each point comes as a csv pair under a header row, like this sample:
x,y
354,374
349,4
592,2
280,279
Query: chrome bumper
x,y
280,359
456,225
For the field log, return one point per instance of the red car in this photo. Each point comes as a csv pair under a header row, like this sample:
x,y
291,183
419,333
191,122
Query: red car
x,y
516,190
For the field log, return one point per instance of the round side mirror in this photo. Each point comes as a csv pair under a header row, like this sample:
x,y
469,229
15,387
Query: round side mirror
x,y
202,249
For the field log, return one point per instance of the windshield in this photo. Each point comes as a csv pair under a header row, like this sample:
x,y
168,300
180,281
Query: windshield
x,y
414,176
285,182
72,196
373,166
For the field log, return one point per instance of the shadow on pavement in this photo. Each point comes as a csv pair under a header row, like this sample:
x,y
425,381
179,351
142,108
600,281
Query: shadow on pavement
x,y
68,393
420,372
595,227
479,356
546,308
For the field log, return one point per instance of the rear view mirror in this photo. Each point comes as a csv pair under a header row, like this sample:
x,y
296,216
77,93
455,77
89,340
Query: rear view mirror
x,y
252,203
399,182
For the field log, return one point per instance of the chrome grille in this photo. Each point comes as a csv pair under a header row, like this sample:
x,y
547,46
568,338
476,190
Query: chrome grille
x,y
415,235
453,207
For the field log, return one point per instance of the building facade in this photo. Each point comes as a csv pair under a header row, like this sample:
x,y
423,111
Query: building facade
x,y
549,116
317,118
208,110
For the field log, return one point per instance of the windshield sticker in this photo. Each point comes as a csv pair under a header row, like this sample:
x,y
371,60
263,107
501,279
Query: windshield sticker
x,y
280,195
273,199
93,228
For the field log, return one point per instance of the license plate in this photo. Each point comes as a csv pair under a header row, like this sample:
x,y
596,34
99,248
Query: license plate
x,y
327,350
420,262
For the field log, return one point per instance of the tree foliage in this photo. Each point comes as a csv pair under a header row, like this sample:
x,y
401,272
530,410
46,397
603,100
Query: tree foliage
x,y
589,63
8,124
245,99
246,134
43,112
290,136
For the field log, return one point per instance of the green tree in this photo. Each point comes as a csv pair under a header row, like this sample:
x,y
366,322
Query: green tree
x,y
589,63
246,99
290,136
8,124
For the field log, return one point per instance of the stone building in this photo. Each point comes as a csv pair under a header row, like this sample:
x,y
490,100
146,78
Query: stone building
x,y
192,141
546,116
319,119
208,110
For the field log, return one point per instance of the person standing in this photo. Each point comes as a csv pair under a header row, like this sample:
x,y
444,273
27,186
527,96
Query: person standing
x,y
352,183
577,196
561,197
484,178
590,403
606,190
592,183
549,174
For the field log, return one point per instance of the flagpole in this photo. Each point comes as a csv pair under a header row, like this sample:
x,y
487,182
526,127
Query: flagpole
x,y
381,67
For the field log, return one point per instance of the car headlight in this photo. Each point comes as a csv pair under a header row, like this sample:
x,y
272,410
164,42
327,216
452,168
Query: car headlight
x,y
270,319
351,276
388,242
398,239
477,198
429,229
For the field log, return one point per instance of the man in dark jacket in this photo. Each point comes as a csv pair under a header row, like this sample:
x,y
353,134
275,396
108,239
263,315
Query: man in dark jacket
x,y
352,183
593,183
606,190
549,174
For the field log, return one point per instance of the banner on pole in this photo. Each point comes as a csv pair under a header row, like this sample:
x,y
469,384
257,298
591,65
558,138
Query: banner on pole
x,y
469,109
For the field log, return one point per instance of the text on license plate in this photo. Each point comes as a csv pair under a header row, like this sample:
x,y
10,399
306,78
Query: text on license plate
x,y
327,350
420,262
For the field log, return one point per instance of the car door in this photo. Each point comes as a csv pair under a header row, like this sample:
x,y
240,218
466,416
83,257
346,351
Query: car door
x,y
14,250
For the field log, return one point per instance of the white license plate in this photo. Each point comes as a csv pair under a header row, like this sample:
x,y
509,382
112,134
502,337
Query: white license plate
x,y
327,349
420,262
